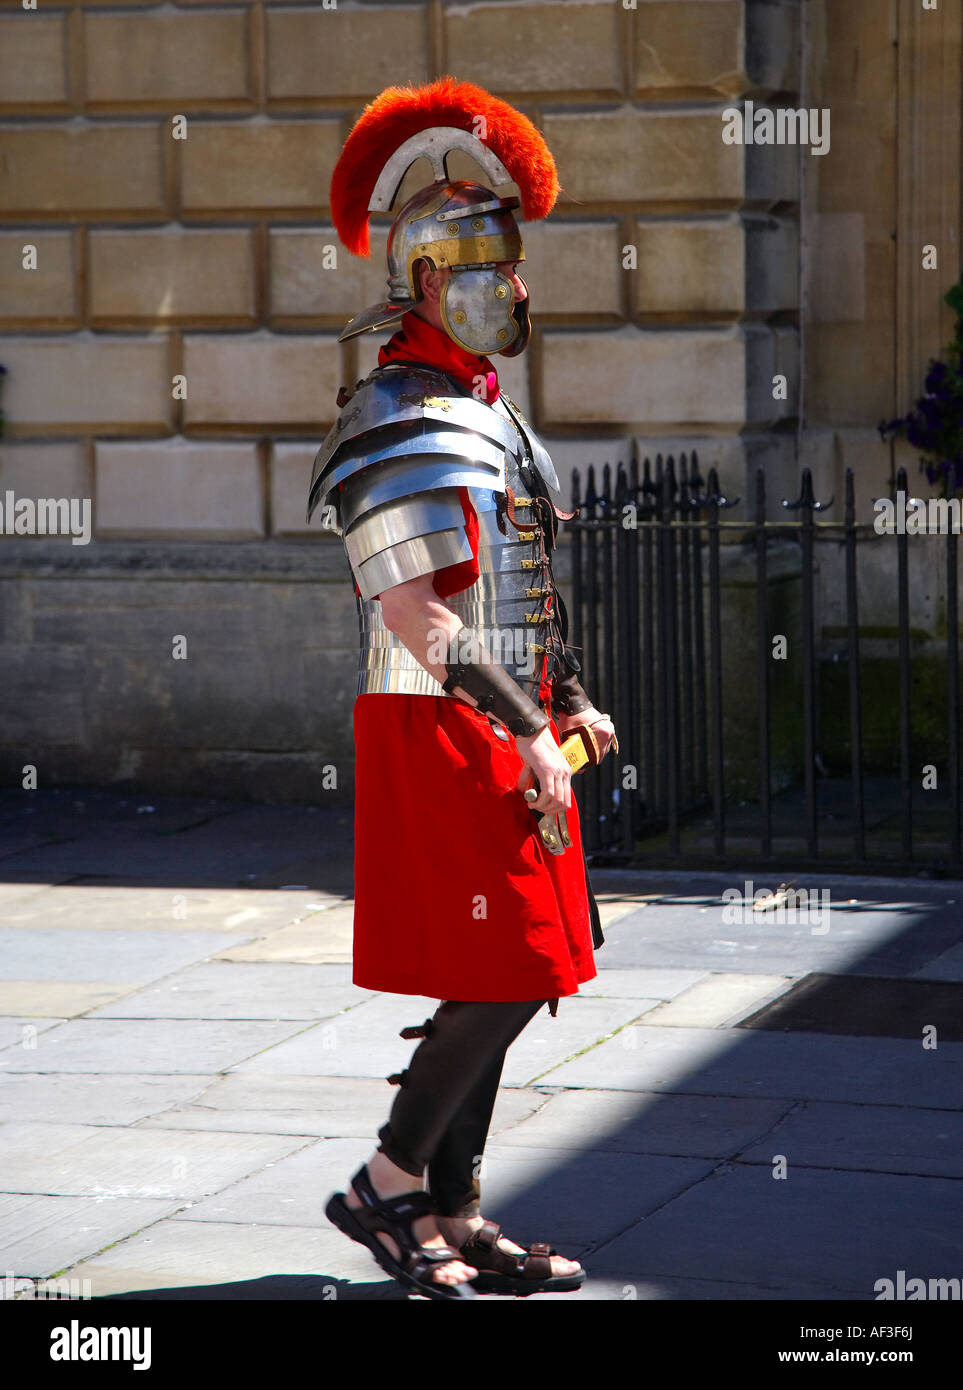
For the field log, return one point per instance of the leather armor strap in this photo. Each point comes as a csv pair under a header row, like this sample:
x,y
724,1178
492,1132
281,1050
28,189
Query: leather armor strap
x,y
568,697
470,666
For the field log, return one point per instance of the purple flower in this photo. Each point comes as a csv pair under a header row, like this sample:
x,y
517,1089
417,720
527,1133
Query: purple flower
x,y
935,376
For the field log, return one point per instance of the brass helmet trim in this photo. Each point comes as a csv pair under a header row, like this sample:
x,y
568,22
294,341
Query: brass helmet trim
x,y
464,251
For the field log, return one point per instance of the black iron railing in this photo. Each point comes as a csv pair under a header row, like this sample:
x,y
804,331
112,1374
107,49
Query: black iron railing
x,y
659,608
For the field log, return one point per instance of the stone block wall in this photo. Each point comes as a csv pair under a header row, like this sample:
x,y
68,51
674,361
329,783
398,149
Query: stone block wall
x,y
664,291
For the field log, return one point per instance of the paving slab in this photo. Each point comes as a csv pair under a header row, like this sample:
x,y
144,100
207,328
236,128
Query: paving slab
x,y
835,1230
865,938
70,814
331,865
41,1235
225,989
948,966
78,956
612,906
581,1197
130,1045
21,839
310,1124
327,1107
718,1000
362,1042
97,903
322,938
292,1190
734,1062
546,1042
365,1042
93,1099
255,841
622,1122
872,1138
235,1261
25,887
24,1029
638,984
198,847
515,1105
57,997
111,1161
866,1006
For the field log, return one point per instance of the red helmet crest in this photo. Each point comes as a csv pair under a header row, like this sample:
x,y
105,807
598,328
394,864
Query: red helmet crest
x,y
401,112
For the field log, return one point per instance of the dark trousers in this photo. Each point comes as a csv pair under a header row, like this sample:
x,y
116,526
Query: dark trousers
x,y
442,1112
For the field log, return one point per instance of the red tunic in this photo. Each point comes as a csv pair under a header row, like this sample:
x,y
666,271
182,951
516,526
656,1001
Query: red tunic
x,y
456,897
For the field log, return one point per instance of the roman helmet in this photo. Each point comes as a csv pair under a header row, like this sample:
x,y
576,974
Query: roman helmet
x,y
450,223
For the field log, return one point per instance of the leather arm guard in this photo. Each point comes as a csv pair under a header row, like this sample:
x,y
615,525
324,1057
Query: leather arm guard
x,y
472,668
568,697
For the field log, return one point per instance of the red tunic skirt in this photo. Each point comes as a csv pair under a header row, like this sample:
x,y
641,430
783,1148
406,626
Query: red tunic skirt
x,y
456,897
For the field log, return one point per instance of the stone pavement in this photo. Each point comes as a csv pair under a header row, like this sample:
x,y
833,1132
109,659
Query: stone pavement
x,y
187,1071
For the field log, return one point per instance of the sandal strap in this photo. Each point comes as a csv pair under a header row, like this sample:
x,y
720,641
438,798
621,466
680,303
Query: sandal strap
x,y
535,1266
438,1254
422,1262
408,1206
394,1216
482,1251
485,1237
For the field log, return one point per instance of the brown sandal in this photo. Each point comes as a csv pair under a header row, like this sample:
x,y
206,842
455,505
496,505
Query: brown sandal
x,y
395,1216
502,1272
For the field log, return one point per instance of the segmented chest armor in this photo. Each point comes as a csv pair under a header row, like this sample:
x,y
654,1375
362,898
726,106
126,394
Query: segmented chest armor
x,y
389,474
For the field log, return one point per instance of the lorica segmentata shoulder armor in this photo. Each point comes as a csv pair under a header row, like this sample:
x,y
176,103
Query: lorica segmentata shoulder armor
x,y
388,480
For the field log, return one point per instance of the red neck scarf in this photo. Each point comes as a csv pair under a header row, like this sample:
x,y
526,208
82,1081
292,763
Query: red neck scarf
x,y
419,341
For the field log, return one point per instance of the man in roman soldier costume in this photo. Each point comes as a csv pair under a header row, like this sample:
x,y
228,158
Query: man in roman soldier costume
x,y
470,877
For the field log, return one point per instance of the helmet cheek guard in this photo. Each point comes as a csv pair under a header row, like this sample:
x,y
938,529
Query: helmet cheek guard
x,y
521,316
476,309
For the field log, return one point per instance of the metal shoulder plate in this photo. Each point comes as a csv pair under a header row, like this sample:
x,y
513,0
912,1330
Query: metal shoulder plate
x,y
390,470
419,419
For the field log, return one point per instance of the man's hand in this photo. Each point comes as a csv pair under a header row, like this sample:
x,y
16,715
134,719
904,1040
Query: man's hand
x,y
541,753
603,729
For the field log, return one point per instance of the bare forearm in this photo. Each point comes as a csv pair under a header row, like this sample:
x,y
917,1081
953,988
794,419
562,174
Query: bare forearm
x,y
424,623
